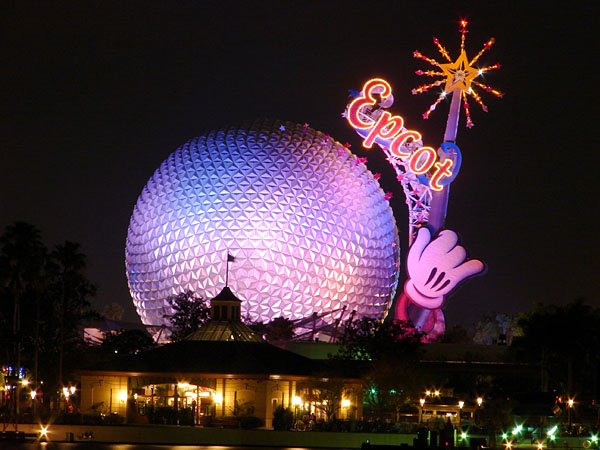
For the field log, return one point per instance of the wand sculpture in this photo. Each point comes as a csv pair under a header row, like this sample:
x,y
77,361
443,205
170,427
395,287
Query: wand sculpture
x,y
459,77
435,263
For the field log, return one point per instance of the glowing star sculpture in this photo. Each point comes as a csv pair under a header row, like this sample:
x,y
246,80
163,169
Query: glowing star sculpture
x,y
459,76
309,227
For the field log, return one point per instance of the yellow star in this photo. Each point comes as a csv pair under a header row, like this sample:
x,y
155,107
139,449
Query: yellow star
x,y
459,74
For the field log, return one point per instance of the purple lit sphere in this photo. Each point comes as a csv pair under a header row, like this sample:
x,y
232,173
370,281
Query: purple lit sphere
x,y
308,225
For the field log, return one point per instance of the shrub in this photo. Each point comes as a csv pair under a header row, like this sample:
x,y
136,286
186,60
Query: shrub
x,y
251,422
283,418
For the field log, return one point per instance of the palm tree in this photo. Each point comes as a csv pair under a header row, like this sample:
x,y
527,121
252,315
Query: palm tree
x,y
22,259
70,290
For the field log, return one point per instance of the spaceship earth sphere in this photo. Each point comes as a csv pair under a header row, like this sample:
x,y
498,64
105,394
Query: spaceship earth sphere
x,y
308,225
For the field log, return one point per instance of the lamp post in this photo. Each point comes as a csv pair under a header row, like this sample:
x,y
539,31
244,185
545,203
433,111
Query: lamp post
x,y
295,402
422,402
570,403
460,407
346,405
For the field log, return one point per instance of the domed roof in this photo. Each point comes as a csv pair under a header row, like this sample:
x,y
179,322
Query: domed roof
x,y
307,223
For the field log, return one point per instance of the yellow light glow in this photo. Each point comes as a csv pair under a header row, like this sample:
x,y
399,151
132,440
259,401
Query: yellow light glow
x,y
296,400
345,403
33,394
43,431
72,389
437,393
422,402
65,391
122,396
540,446
218,398
183,385
25,382
461,404
570,402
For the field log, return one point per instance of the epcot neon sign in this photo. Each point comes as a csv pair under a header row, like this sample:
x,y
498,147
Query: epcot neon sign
x,y
388,131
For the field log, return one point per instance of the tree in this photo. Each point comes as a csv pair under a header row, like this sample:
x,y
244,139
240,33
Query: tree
x,y
391,351
127,342
277,330
325,394
70,291
189,314
46,297
563,341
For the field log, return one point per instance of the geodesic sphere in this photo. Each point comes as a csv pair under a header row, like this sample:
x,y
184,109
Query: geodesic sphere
x,y
308,225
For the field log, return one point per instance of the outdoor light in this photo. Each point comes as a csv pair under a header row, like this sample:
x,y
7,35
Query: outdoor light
x,y
72,389
428,393
508,445
461,404
504,436
437,393
422,402
43,433
297,400
551,431
479,401
66,392
218,398
463,435
594,438
25,382
517,429
570,402
135,396
540,446
122,396
32,394
345,403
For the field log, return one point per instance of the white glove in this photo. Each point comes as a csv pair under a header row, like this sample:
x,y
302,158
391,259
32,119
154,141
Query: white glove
x,y
435,268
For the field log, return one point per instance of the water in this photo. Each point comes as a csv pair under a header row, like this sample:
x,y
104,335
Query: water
x,y
101,446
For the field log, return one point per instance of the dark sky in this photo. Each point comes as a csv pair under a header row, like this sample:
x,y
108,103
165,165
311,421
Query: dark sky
x,y
95,95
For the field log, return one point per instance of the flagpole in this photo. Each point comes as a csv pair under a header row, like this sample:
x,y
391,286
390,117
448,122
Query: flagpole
x,y
227,269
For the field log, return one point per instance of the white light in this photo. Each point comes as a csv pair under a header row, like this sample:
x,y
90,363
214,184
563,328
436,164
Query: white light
x,y
33,394
480,72
218,398
122,396
296,400
345,403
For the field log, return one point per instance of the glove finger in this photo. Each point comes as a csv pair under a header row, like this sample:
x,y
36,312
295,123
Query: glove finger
x,y
467,269
445,241
455,257
417,247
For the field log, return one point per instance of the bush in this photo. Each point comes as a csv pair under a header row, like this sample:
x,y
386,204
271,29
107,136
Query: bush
x,y
283,418
251,422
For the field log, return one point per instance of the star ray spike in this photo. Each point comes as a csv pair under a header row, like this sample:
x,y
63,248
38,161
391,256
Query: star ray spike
x,y
458,76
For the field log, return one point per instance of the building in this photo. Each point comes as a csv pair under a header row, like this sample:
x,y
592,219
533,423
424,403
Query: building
x,y
222,370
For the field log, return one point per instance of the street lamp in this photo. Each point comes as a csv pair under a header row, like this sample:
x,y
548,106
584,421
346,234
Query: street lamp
x,y
460,407
479,401
570,403
346,405
422,402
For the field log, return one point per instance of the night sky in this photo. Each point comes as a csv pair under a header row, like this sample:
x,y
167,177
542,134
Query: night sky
x,y
95,95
